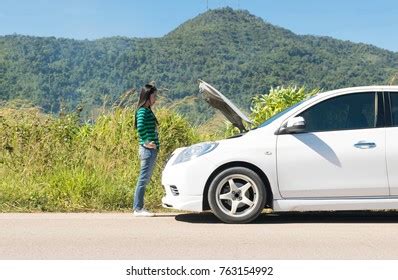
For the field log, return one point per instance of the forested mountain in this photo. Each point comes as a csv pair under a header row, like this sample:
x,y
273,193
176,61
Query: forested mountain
x,y
237,52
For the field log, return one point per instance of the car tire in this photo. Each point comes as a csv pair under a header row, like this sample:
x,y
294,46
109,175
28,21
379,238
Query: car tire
x,y
237,195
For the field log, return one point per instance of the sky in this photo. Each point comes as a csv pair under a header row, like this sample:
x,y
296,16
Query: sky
x,y
368,21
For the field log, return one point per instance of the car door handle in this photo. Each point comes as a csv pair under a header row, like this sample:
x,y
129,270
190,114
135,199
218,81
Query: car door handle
x,y
365,145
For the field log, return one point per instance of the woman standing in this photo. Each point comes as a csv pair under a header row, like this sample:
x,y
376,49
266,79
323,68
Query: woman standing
x,y
146,125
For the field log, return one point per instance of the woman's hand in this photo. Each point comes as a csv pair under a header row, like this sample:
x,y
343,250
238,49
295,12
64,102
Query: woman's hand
x,y
150,145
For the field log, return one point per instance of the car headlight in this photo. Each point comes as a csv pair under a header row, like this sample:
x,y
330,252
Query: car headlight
x,y
195,151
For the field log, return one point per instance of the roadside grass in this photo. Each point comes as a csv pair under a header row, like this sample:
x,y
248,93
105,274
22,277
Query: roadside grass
x,y
59,165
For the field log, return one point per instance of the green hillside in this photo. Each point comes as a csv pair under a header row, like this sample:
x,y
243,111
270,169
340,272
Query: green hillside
x,y
237,52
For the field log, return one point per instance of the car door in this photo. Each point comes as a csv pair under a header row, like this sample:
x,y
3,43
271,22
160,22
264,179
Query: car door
x,y
392,144
341,152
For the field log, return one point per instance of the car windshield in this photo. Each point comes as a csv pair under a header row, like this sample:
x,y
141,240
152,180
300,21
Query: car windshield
x,y
274,117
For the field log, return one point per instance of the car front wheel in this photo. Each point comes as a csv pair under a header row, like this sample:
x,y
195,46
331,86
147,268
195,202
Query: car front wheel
x,y
237,195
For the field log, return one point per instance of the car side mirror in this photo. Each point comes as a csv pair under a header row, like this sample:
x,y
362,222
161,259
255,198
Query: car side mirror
x,y
293,125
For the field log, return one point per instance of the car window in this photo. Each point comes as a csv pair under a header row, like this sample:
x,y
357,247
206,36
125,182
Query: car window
x,y
350,111
394,108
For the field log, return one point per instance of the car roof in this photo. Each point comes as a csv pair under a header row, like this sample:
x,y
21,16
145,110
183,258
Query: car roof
x,y
358,89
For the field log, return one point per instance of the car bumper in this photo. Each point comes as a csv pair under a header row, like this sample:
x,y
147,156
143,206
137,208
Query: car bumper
x,y
184,183
189,203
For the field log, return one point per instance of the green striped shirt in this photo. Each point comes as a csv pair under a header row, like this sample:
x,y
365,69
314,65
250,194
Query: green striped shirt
x,y
146,126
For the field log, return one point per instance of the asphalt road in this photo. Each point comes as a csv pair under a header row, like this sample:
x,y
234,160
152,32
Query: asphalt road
x,y
115,236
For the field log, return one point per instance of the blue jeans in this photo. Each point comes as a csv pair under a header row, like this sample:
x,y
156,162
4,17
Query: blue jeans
x,y
148,159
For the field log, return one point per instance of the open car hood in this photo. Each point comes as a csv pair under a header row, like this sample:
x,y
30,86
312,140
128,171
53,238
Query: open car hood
x,y
217,100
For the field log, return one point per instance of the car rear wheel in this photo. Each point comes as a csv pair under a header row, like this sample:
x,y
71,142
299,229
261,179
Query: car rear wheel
x,y
237,195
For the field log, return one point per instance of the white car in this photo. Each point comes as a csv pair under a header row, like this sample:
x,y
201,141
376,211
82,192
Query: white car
x,y
335,151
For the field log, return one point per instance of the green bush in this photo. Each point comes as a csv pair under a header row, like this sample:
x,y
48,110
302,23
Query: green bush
x,y
58,164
